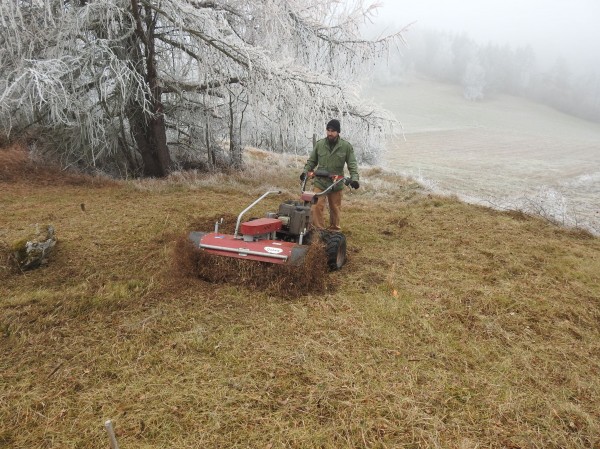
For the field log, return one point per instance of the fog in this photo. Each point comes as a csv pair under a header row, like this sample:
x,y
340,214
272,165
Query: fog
x,y
499,102
540,50
553,28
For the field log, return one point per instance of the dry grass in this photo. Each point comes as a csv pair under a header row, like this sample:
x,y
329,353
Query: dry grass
x,y
452,325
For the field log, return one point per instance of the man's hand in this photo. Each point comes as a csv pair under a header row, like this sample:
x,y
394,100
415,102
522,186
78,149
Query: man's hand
x,y
354,184
302,176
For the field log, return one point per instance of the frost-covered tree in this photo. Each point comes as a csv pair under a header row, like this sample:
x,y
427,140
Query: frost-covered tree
x,y
139,86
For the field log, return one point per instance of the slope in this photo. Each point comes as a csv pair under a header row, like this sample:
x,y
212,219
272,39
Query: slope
x,y
504,151
452,325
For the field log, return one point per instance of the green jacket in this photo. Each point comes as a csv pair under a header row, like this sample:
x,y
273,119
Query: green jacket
x,y
332,160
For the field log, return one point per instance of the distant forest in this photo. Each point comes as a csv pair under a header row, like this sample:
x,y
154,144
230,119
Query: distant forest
x,y
484,70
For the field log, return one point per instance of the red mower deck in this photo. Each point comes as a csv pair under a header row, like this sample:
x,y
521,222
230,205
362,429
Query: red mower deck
x,y
272,251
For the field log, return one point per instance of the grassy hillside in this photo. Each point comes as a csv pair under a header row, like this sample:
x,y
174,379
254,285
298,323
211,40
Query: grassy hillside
x,y
505,151
452,325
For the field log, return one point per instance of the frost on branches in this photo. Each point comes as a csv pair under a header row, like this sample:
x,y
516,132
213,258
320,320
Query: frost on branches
x,y
139,87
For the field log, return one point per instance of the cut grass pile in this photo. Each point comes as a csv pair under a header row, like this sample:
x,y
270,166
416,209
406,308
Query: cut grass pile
x,y
452,325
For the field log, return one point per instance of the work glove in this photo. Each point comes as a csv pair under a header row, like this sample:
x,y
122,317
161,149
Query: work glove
x,y
354,184
302,176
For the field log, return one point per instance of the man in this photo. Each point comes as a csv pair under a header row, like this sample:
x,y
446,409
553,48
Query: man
x,y
331,154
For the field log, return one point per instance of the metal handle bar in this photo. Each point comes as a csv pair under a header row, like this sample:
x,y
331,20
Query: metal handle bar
x,y
335,178
237,225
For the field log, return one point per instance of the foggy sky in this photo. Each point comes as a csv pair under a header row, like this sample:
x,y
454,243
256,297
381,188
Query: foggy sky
x,y
565,28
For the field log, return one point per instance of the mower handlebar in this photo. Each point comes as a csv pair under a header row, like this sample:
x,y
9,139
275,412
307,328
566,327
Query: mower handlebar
x,y
239,218
336,180
325,174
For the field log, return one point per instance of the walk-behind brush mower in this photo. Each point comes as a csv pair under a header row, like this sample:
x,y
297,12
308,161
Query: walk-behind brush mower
x,y
283,237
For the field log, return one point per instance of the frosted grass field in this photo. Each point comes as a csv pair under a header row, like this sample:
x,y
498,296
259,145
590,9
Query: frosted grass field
x,y
505,152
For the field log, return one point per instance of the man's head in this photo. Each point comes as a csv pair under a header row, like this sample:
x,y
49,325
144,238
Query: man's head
x,y
333,130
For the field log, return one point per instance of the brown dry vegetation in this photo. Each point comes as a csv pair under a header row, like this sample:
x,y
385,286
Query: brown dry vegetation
x,y
451,326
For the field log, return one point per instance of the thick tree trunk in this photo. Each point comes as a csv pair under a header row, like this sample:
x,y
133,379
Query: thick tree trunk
x,y
150,139
149,130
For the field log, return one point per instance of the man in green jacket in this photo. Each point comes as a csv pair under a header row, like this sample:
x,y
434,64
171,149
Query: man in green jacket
x,y
331,154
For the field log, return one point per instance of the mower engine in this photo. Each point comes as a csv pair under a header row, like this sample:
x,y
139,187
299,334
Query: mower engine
x,y
295,219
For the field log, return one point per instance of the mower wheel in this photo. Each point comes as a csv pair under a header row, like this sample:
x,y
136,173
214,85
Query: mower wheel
x,y
335,248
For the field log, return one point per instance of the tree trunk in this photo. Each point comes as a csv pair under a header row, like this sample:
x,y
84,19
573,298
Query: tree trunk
x,y
235,138
149,130
210,153
150,139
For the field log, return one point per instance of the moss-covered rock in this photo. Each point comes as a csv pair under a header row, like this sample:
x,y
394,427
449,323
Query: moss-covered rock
x,y
34,249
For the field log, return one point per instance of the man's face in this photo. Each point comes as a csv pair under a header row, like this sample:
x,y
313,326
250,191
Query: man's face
x,y
332,135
